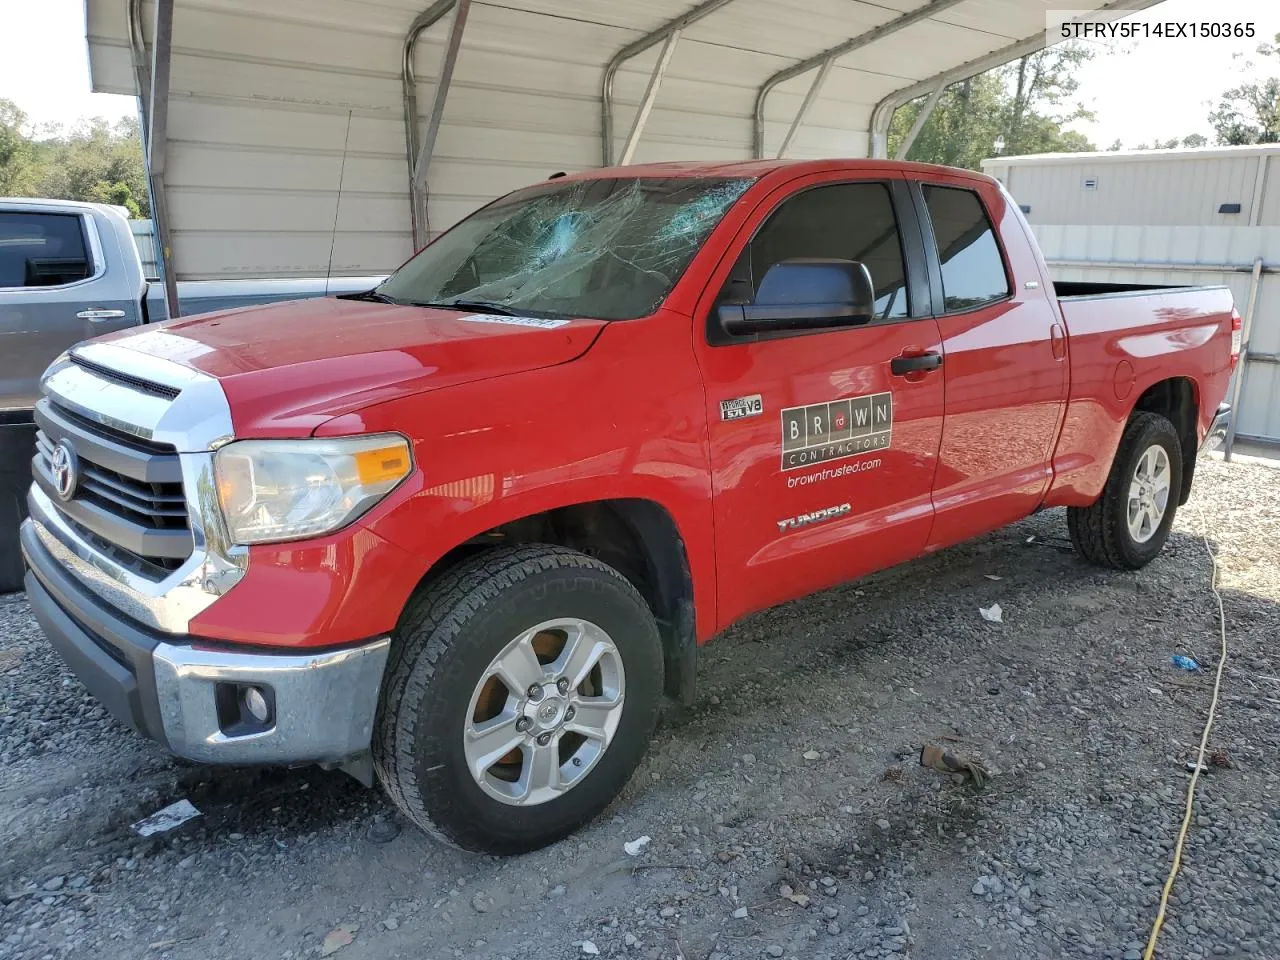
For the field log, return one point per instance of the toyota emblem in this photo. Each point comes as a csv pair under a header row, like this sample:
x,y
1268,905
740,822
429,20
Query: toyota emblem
x,y
65,467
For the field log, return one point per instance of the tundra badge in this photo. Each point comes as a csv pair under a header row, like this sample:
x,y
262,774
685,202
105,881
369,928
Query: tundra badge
x,y
827,513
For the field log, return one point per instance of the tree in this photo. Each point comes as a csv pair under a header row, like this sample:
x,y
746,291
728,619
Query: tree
x,y
1250,113
17,165
1191,141
117,194
1046,81
92,161
1018,108
963,128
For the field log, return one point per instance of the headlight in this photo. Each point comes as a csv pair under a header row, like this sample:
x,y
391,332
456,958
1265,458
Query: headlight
x,y
290,489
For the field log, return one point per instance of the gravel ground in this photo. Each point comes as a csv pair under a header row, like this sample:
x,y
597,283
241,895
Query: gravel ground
x,y
788,812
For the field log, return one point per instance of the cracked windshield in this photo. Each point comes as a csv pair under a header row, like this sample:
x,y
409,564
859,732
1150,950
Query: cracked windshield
x,y
610,249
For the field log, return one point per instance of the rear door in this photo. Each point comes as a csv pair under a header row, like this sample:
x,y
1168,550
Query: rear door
x,y
54,292
822,457
1005,357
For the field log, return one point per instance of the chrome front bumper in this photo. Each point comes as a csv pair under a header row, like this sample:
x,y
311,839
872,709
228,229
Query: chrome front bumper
x,y
184,693
126,634
324,703
1217,432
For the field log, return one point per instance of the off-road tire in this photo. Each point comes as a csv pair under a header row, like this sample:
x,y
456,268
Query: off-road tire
x,y
1100,532
447,636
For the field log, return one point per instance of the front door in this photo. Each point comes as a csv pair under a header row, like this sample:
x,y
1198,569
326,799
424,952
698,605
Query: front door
x,y
822,454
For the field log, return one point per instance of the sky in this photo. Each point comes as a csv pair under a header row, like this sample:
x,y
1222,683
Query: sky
x,y
1154,89
1140,91
51,32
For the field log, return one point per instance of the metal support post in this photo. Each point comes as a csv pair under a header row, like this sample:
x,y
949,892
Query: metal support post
x,y
650,96
921,119
158,146
814,89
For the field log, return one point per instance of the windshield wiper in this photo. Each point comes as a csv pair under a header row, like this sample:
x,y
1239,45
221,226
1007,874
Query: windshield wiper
x,y
481,306
372,295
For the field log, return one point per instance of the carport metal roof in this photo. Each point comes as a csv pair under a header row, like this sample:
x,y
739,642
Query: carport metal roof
x,y
281,136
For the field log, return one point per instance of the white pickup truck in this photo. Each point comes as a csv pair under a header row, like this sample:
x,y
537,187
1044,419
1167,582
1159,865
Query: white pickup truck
x,y
70,271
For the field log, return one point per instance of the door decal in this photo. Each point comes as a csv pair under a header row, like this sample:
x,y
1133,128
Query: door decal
x,y
818,433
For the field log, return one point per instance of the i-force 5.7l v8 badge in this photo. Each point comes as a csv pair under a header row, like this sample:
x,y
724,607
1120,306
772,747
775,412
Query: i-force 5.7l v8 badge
x,y
738,408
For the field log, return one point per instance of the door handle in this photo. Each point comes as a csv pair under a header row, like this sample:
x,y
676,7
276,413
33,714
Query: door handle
x,y
901,366
96,315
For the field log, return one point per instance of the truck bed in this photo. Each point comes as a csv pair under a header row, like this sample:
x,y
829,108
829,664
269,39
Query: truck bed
x,y
1124,339
1078,289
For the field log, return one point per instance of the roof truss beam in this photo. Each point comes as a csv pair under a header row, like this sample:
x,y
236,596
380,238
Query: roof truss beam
x,y
826,59
418,156
638,46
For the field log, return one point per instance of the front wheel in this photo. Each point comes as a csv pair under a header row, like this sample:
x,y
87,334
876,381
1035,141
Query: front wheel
x,y
521,693
1129,523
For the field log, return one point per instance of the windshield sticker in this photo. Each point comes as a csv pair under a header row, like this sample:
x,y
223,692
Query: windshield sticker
x,y
821,432
740,407
546,323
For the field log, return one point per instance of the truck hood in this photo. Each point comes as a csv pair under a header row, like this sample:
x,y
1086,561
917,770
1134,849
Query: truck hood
x,y
286,368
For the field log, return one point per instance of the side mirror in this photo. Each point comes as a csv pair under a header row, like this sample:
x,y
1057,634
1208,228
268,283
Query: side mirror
x,y
805,294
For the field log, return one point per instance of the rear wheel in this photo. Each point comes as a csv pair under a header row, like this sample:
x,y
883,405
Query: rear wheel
x,y
522,691
1129,523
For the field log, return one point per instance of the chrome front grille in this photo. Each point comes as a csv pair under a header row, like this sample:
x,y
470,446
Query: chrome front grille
x,y
140,528
128,497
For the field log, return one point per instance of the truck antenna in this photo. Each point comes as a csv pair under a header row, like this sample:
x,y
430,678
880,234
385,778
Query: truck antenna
x,y
342,172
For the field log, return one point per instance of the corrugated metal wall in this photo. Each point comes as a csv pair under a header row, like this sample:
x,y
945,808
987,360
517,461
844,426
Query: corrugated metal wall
x,y
144,238
1153,218
1160,192
287,146
1156,245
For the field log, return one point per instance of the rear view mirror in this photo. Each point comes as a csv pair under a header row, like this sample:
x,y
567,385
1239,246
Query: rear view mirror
x,y
805,294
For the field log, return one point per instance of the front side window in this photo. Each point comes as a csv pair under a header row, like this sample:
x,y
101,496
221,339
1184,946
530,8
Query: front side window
x,y
972,268
842,221
611,249
42,250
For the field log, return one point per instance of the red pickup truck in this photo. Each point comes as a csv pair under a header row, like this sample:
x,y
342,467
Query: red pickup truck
x,y
462,532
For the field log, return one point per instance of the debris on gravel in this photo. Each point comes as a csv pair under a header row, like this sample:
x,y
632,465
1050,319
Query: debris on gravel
x,y
1073,705
634,848
338,938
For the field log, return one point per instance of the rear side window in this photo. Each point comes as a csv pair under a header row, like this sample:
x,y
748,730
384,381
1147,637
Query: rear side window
x,y
844,221
42,250
972,268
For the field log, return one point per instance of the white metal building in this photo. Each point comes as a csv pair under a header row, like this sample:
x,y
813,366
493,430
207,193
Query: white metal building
x,y
282,135
1179,217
